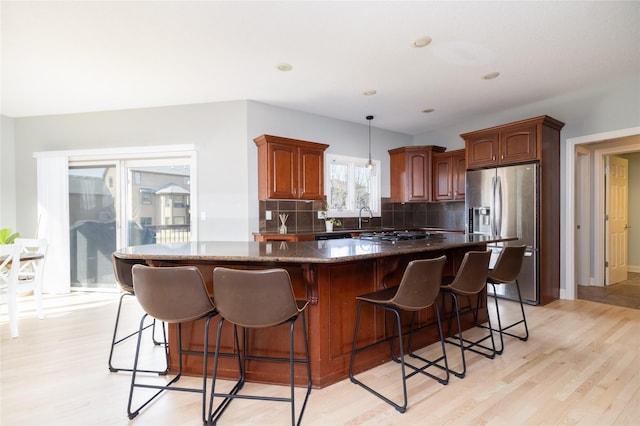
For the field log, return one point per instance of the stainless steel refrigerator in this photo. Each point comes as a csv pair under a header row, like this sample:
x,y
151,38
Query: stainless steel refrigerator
x,y
504,202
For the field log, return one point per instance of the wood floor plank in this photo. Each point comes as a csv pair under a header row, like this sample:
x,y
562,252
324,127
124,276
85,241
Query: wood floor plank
x,y
581,366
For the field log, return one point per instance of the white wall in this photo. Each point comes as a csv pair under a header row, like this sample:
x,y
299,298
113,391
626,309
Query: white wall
x,y
611,106
227,156
219,131
7,174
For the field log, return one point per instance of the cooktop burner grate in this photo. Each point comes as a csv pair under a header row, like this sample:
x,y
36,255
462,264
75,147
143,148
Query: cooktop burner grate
x,y
400,236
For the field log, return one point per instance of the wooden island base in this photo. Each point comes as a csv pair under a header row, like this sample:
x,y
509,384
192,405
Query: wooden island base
x,y
331,289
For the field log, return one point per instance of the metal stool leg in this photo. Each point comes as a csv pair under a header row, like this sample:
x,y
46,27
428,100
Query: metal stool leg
x,y
399,358
469,345
115,341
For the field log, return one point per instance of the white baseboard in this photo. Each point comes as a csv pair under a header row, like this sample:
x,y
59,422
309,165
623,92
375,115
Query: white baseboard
x,y
633,268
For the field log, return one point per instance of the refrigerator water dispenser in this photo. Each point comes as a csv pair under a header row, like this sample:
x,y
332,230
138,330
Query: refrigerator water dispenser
x,y
480,220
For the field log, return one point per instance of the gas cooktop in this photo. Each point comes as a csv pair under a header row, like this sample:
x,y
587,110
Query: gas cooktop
x,y
400,236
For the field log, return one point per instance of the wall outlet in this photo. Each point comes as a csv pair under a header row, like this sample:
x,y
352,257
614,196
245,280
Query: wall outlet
x,y
267,215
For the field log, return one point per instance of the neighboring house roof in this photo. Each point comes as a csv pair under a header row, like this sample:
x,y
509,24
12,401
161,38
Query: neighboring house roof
x,y
172,188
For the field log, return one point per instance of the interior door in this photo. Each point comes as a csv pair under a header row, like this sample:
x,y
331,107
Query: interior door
x,y
616,226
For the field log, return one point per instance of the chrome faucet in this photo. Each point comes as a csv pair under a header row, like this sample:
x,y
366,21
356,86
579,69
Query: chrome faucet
x,y
360,216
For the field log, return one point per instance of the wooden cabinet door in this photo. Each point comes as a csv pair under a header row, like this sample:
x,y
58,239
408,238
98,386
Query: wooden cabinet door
x,y
449,172
482,150
442,177
311,178
518,144
397,176
459,174
290,169
410,177
419,189
283,178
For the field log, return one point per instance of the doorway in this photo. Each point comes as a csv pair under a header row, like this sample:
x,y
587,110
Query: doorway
x,y
617,142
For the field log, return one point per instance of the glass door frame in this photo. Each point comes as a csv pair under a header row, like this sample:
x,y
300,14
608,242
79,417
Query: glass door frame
x,y
123,163
126,209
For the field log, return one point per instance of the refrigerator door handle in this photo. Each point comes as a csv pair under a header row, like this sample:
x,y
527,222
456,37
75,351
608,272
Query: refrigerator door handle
x,y
497,208
493,206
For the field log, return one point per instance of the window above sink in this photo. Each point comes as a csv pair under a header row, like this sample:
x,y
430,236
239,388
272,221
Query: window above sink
x,y
350,185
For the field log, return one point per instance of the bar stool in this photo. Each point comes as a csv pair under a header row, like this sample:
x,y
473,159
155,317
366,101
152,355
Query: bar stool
x,y
418,289
173,295
470,281
122,272
505,272
255,299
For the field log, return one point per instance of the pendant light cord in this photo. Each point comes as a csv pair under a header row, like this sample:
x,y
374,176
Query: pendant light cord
x,y
370,163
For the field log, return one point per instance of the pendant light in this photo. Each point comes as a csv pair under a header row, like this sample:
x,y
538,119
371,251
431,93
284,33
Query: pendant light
x,y
370,164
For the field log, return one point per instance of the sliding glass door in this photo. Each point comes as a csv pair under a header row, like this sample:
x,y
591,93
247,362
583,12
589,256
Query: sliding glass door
x,y
158,202
93,197
124,202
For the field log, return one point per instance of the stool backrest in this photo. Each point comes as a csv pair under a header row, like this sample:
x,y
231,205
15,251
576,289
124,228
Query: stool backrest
x,y
254,298
171,294
420,284
508,264
472,275
122,272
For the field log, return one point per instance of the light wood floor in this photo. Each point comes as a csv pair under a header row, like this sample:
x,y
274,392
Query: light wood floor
x,y
581,365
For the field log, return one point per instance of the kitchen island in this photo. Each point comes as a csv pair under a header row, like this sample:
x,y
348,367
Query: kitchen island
x,y
329,274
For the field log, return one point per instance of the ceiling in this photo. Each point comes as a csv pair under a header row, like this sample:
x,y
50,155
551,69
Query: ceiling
x,y
71,57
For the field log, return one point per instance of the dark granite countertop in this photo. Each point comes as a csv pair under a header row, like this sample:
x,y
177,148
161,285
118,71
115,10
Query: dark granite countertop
x,y
326,251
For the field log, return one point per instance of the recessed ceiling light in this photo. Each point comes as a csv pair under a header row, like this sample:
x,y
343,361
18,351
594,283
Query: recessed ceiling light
x,y
490,76
369,92
421,42
284,67
428,110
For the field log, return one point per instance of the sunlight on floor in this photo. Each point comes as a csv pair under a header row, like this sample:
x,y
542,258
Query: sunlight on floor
x,y
58,304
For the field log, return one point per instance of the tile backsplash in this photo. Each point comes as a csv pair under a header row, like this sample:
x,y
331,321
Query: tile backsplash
x,y
303,216
445,215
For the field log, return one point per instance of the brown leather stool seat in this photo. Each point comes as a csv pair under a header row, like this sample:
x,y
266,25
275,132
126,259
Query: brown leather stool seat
x,y
173,295
255,299
418,289
471,280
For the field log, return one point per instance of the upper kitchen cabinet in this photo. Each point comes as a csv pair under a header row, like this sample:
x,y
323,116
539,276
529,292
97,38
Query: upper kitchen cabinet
x,y
290,169
512,143
410,168
449,171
